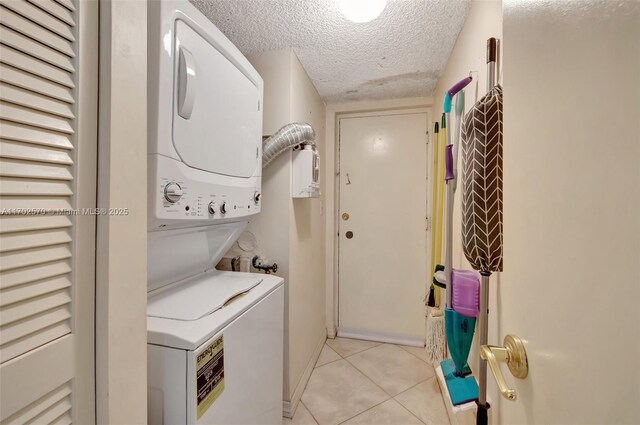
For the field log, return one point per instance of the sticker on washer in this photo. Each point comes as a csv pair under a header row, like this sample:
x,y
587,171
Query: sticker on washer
x,y
209,375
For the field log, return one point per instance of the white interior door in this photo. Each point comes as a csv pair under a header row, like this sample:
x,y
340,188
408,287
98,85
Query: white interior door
x,y
48,110
382,232
570,286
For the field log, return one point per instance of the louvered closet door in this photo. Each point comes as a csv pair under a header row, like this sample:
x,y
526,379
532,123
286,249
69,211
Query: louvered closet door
x,y
47,171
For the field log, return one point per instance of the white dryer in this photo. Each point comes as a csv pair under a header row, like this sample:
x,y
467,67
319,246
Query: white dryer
x,y
215,339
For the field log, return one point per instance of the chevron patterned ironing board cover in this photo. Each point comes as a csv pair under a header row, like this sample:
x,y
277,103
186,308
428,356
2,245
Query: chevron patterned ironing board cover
x,y
482,183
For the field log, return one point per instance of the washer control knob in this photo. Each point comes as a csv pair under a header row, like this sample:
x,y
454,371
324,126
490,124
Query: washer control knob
x,y
223,208
211,207
256,198
173,192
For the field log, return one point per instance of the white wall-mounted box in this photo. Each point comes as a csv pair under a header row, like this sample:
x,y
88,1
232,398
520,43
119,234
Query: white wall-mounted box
x,y
305,173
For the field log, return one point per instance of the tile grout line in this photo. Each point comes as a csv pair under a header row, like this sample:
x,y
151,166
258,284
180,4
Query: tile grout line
x,y
416,356
367,376
307,409
383,390
410,412
330,348
358,352
332,361
384,343
392,396
314,368
382,402
327,344
420,383
405,407
370,380
366,410
363,351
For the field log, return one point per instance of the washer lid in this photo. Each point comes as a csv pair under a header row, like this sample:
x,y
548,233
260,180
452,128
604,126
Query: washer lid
x,y
191,334
199,296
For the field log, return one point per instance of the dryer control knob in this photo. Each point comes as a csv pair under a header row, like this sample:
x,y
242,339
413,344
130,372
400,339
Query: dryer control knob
x,y
256,197
223,208
211,208
172,192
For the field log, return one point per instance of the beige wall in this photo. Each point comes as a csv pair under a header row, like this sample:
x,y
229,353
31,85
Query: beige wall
x,y
306,239
121,269
275,69
291,231
271,225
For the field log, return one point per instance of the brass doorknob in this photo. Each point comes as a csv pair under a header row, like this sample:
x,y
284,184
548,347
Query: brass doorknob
x,y
514,355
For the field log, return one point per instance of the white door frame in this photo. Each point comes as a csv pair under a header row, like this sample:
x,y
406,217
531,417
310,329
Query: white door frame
x,y
121,240
84,236
332,198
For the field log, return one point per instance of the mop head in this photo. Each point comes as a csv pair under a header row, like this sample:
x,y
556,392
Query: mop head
x,y
435,344
461,390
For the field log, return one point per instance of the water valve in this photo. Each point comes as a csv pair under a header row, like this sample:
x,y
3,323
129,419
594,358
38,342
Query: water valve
x,y
259,264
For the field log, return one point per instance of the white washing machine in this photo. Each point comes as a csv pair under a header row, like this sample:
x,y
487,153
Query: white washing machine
x,y
221,367
215,339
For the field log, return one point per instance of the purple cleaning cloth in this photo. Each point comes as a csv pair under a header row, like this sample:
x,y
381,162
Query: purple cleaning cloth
x,y
466,292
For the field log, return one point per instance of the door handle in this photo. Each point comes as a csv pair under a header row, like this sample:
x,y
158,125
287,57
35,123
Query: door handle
x,y
514,355
186,83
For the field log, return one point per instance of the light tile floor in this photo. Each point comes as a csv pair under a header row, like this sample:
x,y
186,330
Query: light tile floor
x,y
369,383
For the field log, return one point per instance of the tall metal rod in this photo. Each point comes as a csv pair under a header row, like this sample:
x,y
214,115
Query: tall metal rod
x,y
491,75
483,332
483,318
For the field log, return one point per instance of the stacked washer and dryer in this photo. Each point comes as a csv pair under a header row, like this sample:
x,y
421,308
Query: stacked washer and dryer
x,y
215,339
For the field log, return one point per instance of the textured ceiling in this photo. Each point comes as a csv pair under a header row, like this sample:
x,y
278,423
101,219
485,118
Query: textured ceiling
x,y
400,54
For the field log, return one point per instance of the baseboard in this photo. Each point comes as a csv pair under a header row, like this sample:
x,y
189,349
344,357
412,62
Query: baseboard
x,y
389,338
332,332
289,406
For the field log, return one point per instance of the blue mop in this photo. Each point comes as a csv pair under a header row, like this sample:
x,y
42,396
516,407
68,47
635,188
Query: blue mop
x,y
459,322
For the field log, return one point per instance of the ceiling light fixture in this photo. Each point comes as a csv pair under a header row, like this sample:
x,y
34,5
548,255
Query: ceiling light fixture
x,y
361,11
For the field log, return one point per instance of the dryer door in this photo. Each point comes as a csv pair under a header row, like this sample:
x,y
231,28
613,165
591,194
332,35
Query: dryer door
x,y
216,116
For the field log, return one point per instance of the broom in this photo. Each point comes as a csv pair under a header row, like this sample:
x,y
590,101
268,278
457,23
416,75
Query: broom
x,y
435,336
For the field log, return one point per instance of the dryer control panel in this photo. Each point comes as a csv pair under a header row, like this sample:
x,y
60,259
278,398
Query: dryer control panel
x,y
180,200
181,193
